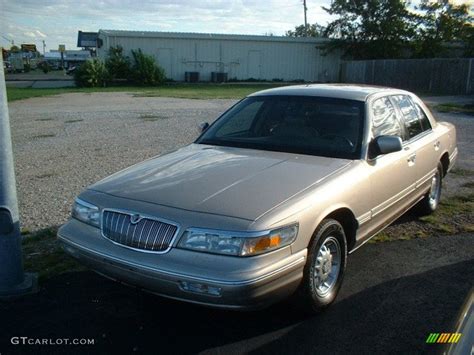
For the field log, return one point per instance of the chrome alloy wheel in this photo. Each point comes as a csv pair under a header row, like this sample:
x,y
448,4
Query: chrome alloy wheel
x,y
326,266
435,190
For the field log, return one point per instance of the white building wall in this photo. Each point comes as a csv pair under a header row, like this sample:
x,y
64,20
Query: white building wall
x,y
242,57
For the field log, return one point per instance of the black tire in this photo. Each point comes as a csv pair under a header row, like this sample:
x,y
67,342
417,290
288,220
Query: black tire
x,y
430,202
311,297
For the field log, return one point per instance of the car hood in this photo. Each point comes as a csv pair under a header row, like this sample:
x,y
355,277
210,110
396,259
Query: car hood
x,y
235,182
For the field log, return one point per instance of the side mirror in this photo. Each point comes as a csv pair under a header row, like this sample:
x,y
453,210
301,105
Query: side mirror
x,y
202,127
385,145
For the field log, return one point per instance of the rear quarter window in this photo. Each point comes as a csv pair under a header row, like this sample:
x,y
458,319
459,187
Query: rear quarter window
x,y
425,121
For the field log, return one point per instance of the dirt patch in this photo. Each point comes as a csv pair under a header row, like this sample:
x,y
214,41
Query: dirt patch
x,y
152,117
47,135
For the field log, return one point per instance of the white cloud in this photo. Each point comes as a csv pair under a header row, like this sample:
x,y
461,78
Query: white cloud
x,y
40,34
29,34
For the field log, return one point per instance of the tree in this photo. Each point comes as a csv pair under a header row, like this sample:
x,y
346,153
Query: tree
x,y
91,73
313,30
117,64
369,29
441,23
145,70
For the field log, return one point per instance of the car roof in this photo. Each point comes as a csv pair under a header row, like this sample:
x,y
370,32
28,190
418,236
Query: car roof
x,y
340,91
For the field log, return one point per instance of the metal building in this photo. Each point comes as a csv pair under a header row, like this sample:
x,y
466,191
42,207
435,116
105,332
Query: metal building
x,y
240,57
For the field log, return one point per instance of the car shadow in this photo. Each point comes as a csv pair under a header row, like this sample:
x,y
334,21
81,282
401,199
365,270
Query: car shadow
x,y
390,316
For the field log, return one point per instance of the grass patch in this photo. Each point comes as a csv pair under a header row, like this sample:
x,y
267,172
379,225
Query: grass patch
x,y
42,254
380,238
468,228
47,135
74,121
456,108
462,172
469,185
453,216
204,91
188,91
387,236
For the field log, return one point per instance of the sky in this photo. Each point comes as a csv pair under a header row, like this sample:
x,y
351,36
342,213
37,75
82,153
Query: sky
x,y
58,21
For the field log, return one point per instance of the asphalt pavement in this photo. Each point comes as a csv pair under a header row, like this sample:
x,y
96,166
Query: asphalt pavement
x,y
393,296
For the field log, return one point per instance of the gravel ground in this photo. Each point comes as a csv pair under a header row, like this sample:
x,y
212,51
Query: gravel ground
x,y
64,143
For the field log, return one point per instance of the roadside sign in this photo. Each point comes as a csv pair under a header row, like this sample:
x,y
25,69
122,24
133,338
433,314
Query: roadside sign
x,y
62,48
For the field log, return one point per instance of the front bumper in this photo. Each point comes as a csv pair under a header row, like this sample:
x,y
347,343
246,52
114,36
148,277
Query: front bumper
x,y
236,283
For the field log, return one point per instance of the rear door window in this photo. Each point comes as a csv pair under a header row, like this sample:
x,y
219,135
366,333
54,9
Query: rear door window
x,y
410,115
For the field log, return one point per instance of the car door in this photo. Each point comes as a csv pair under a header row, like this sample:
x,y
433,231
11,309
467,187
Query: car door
x,y
390,174
419,140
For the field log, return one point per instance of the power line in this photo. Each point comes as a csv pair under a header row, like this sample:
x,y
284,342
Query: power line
x,y
8,39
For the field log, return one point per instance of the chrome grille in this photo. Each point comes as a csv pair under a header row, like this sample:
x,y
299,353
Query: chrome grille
x,y
146,234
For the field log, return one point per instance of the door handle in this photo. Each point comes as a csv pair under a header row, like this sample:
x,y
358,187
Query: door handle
x,y
411,158
437,145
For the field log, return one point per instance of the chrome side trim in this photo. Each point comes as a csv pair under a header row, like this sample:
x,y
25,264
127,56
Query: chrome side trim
x,y
393,200
425,178
296,262
452,158
393,219
364,218
454,154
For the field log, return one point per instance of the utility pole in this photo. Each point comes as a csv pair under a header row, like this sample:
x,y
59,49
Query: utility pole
x,y
44,46
305,19
13,281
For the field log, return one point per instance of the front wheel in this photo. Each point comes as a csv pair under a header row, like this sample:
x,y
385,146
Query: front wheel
x,y
325,266
430,202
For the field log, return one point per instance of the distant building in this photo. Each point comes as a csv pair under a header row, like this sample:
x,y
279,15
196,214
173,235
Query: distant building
x,y
71,57
220,56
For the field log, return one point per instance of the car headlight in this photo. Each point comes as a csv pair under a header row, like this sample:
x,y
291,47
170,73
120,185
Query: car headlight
x,y
237,243
86,212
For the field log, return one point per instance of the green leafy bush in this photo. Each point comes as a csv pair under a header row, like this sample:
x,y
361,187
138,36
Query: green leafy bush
x,y
117,64
91,73
27,68
145,70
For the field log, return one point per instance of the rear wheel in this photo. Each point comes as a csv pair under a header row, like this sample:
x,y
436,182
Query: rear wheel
x,y
431,200
325,266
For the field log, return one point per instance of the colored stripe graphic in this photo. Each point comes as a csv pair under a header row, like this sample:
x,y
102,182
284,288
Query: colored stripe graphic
x,y
432,338
443,338
455,338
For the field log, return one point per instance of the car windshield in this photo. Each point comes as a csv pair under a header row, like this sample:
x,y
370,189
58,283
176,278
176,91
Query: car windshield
x,y
295,124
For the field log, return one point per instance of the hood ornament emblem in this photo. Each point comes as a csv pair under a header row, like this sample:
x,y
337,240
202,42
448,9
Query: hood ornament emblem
x,y
135,218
